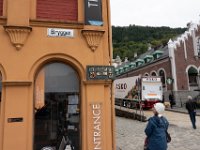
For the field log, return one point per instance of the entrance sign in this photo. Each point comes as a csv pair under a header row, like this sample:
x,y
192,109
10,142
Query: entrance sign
x,y
56,32
100,72
93,12
97,127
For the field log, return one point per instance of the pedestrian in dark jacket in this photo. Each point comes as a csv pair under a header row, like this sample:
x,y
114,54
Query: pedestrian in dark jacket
x,y
171,100
191,107
156,129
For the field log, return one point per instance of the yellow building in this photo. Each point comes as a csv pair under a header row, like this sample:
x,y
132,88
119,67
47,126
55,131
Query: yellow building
x,y
56,79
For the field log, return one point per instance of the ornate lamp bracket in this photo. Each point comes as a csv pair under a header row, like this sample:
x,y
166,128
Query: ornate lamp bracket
x,y
93,38
18,35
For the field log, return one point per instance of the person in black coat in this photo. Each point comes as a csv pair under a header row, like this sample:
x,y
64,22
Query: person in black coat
x,y
171,100
191,107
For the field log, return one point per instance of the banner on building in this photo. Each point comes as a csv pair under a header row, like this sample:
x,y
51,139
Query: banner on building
x,y
93,12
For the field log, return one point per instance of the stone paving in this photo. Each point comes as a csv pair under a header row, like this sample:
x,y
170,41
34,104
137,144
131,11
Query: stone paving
x,y
130,133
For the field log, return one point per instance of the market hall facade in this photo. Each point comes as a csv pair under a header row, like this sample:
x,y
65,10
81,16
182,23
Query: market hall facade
x,y
55,75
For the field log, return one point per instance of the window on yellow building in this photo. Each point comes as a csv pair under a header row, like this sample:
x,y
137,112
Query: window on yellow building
x,y
198,46
64,10
1,7
0,90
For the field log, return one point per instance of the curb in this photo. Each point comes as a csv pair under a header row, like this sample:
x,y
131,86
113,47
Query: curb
x,y
183,111
130,115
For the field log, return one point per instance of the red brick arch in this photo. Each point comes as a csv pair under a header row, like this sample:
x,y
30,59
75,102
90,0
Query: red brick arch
x,y
66,10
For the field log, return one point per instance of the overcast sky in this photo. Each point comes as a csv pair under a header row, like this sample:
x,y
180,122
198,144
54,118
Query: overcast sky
x,y
172,13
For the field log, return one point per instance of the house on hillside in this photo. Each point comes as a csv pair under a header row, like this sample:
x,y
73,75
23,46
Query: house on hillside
x,y
178,63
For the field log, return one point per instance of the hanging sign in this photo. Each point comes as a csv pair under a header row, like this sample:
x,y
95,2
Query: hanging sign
x,y
169,80
93,12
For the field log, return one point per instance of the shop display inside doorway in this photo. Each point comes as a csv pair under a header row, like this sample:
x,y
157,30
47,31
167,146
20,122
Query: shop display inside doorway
x,y
57,114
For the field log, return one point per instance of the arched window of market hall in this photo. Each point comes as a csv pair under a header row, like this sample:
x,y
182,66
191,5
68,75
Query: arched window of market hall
x,y
162,75
57,108
198,46
153,74
60,10
192,76
1,7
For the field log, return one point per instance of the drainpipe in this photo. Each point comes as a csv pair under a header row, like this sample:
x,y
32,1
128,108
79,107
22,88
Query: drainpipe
x,y
111,87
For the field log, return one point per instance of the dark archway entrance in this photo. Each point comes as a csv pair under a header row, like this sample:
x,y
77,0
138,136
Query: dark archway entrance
x,y
57,108
192,75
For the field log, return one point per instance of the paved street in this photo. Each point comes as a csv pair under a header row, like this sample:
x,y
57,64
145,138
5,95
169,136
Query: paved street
x,y
130,133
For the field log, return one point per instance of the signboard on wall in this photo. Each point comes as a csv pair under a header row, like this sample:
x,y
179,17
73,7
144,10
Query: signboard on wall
x,y
93,12
100,72
56,32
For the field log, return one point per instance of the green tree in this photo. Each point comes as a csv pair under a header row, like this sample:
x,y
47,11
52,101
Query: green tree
x,y
132,39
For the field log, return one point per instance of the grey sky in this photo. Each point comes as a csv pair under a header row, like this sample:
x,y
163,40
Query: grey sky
x,y
172,13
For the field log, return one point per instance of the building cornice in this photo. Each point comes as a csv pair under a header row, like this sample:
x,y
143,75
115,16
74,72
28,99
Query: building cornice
x,y
3,20
16,83
148,65
93,38
98,82
60,24
18,34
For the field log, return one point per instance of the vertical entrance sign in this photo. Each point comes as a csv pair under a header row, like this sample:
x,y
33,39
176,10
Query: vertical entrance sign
x,y
93,12
97,125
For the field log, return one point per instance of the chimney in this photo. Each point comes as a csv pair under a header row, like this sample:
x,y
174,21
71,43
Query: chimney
x,y
135,54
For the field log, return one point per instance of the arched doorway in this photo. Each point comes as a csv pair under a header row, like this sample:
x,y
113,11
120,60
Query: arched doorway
x,y
57,108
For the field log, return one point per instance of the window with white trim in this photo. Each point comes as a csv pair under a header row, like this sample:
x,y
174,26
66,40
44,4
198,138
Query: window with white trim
x,y
162,75
198,46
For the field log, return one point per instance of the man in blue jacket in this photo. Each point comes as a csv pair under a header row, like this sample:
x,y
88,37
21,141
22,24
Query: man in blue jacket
x,y
156,129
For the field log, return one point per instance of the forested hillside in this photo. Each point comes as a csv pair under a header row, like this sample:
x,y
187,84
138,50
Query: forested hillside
x,y
130,39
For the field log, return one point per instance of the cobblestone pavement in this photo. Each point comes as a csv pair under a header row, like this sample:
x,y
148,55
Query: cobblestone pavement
x,y
130,133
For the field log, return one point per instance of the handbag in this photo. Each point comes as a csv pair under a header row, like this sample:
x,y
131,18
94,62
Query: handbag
x,y
145,143
168,137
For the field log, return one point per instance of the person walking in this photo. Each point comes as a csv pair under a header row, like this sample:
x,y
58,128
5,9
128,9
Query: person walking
x,y
191,107
156,129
